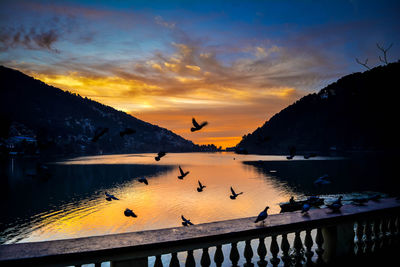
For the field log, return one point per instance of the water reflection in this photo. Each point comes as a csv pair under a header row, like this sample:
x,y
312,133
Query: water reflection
x,y
72,203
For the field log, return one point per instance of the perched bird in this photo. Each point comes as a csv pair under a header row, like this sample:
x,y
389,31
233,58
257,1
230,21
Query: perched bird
x,y
360,201
292,152
311,155
262,216
201,187
322,180
99,133
375,197
127,131
306,207
197,126
143,180
160,155
336,205
234,195
129,212
186,222
291,200
183,174
110,197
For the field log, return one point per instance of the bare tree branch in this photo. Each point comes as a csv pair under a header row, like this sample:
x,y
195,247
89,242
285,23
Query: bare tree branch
x,y
363,64
384,51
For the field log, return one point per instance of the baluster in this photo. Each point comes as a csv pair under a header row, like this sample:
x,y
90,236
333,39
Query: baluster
x,y
97,264
298,247
219,256
205,258
376,237
285,246
367,237
248,254
234,255
358,242
397,232
174,260
262,252
319,239
392,230
190,259
274,251
384,236
308,243
158,262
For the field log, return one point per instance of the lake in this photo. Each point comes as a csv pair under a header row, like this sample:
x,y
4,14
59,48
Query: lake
x,y
71,202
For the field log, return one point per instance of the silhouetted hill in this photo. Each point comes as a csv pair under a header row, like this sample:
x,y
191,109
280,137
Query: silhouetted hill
x,y
64,123
359,112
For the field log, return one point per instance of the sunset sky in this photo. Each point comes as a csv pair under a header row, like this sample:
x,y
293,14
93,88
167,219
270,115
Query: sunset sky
x,y
232,63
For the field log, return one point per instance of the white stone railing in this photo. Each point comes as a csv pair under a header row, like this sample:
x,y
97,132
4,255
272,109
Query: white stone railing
x,y
319,237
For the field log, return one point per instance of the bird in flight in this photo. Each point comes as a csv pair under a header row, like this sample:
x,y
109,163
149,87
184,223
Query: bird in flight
x,y
143,180
234,195
262,216
201,187
129,212
110,197
322,180
183,174
186,222
196,126
127,131
99,133
160,155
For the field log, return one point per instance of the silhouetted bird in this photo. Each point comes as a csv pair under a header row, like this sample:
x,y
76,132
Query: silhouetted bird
x,y
311,155
160,155
129,212
306,207
143,180
200,188
322,180
360,201
186,222
336,205
375,197
110,197
183,174
197,126
127,131
291,200
234,195
99,133
292,152
262,216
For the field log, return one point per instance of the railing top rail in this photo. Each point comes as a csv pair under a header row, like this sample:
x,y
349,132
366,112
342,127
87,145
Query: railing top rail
x,y
214,233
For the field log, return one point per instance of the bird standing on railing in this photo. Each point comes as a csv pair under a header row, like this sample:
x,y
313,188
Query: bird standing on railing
x,y
160,155
197,127
234,195
129,212
183,174
143,180
186,222
262,216
336,205
201,187
306,207
110,197
360,201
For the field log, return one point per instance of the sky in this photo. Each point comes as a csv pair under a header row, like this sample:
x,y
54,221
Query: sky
x,y
232,63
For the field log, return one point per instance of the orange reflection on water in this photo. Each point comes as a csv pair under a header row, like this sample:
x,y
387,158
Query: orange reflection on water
x,y
166,198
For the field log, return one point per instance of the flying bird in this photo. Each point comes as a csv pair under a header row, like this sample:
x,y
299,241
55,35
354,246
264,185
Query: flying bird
x,y
183,174
186,222
234,195
197,127
160,155
143,180
129,212
99,133
201,187
322,180
262,216
127,131
110,197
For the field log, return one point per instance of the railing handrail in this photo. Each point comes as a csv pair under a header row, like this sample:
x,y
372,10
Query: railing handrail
x,y
163,241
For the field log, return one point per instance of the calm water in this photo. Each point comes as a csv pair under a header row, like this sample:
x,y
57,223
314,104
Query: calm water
x,y
71,203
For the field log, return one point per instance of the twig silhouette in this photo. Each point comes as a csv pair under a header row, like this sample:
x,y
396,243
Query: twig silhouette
x,y
363,64
384,51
